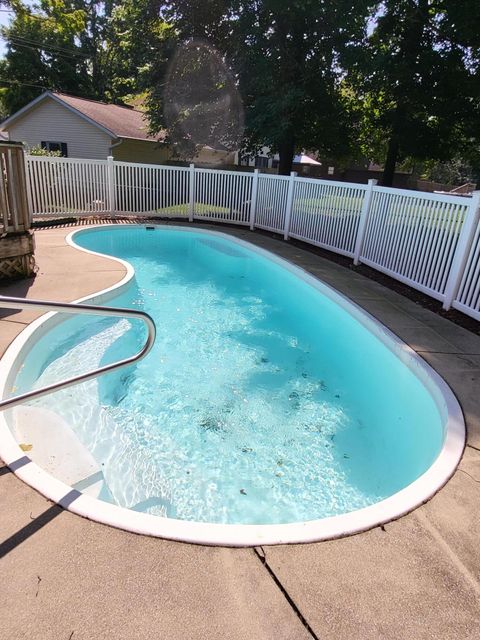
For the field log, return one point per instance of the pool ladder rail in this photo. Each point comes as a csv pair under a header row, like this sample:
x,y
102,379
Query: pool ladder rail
x,y
86,309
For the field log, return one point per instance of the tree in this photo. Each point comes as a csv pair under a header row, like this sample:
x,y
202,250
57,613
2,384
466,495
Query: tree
x,y
141,43
114,34
42,53
87,48
200,101
95,46
418,80
290,74
190,91
286,60
454,172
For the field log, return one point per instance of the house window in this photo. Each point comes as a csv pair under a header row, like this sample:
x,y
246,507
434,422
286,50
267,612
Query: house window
x,y
56,146
261,162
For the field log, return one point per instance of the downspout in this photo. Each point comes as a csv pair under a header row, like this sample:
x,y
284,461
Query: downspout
x,y
115,144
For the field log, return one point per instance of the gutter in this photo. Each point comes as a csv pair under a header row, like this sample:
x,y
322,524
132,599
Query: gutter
x,y
115,144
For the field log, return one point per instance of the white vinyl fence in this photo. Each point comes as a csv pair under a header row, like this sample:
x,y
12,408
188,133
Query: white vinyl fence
x,y
149,189
327,214
60,186
412,236
221,195
428,241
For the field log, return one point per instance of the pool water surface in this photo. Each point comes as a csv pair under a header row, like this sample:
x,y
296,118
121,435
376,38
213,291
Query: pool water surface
x,y
263,400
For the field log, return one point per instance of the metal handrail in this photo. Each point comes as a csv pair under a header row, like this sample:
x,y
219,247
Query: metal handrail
x,y
21,303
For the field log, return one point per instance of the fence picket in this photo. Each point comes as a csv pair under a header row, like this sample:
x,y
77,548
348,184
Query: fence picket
x,y
428,241
466,249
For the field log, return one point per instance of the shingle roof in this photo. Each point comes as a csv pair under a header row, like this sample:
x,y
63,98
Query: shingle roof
x,y
121,121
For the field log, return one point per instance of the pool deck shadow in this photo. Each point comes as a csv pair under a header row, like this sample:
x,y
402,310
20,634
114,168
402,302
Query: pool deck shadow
x,y
417,577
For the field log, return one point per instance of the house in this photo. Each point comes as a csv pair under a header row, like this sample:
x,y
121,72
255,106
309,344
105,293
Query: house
x,y
81,128
265,160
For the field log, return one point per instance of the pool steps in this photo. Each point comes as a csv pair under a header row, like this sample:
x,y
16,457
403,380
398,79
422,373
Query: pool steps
x,y
56,448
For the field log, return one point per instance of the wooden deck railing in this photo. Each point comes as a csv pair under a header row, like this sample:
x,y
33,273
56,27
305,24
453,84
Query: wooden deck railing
x,y
16,240
14,209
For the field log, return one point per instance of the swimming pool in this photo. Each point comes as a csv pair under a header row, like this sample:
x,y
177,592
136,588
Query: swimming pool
x,y
271,409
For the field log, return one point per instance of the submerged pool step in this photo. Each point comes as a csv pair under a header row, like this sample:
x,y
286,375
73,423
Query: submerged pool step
x,y
50,442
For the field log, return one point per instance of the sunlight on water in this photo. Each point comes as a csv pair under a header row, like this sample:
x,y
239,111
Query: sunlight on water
x,y
261,402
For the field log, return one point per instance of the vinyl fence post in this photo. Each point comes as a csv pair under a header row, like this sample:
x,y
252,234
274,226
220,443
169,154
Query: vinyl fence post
x,y
362,225
288,211
111,185
253,199
462,251
191,197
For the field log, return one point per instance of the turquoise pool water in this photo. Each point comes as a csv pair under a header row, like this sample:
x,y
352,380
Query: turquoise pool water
x,y
263,400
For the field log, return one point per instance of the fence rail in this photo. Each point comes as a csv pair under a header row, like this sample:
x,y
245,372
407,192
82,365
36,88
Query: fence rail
x,y
428,241
414,238
67,186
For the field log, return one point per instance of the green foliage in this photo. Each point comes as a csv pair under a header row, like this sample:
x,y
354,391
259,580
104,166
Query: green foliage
x,y
82,47
286,59
3,91
40,151
43,52
198,102
455,172
416,86
290,74
392,81
144,43
138,39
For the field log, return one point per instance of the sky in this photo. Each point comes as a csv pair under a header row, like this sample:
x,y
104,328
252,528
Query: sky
x,y
5,16
3,22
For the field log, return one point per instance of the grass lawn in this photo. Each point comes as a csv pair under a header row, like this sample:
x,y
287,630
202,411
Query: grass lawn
x,y
200,209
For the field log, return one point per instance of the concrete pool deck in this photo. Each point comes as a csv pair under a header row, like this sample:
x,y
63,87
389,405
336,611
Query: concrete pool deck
x,y
419,577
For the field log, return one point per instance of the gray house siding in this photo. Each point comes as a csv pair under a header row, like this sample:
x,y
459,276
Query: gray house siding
x,y
49,121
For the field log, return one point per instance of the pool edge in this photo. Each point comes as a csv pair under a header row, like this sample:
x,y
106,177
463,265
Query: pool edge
x,y
402,502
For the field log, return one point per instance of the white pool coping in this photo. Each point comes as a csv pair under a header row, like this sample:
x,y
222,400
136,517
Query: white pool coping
x,y
237,535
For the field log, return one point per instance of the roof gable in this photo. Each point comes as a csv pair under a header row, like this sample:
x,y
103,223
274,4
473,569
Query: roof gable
x,y
114,120
122,121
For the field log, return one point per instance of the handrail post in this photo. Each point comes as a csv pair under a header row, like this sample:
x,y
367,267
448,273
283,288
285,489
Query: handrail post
x,y
288,210
28,187
191,196
462,251
362,225
253,199
111,185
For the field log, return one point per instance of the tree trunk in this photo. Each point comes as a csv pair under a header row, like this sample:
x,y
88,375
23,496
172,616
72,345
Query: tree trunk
x,y
286,151
390,162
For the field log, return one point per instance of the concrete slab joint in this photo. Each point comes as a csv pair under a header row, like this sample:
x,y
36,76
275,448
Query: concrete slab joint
x,y
418,578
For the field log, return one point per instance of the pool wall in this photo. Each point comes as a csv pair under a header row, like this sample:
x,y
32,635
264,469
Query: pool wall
x,y
398,504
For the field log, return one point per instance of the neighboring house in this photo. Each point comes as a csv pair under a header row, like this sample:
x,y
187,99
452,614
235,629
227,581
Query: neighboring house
x,y
210,156
81,128
265,160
